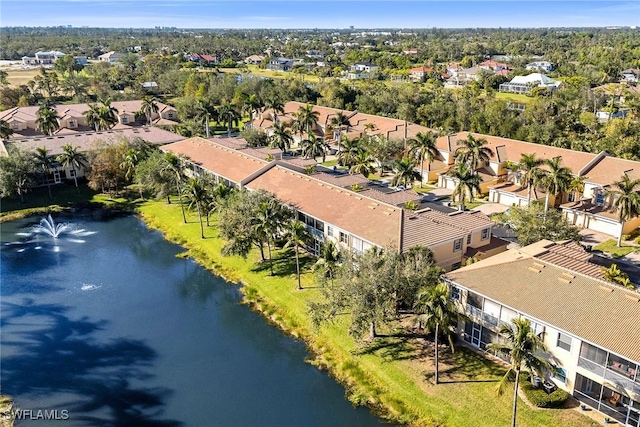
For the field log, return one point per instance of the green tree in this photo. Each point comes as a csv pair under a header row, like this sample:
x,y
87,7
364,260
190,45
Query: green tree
x,y
47,119
229,115
268,221
423,147
197,199
529,167
404,173
523,346
348,151
72,157
280,137
44,163
473,151
328,260
626,200
362,164
555,180
16,173
306,118
531,224
466,182
339,122
5,130
436,312
149,107
275,105
174,165
313,147
297,236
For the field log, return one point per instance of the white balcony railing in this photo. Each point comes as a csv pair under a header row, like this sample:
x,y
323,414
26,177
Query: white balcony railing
x,y
476,313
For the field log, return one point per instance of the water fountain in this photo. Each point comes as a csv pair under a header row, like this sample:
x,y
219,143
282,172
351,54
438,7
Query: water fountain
x,y
48,226
48,234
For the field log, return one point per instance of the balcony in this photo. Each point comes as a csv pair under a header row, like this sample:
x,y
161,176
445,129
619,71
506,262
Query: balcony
x,y
477,314
610,375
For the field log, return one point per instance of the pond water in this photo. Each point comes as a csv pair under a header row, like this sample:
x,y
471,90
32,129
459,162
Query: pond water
x,y
105,323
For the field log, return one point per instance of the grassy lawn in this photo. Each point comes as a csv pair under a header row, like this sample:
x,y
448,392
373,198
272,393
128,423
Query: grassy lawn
x,y
610,247
21,77
259,72
515,97
426,188
393,374
330,163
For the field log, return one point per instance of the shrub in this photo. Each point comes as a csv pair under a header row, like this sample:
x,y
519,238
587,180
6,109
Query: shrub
x,y
637,240
539,397
626,236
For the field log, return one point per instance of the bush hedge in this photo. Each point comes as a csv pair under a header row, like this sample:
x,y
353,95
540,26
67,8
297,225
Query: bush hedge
x,y
539,397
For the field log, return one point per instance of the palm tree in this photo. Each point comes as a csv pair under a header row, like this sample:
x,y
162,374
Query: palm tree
x,y
576,186
230,115
276,106
466,182
368,127
436,311
328,259
268,221
313,147
555,179
423,147
363,164
205,109
92,115
306,118
338,122
473,151
197,197
297,236
44,163
47,119
251,104
173,165
529,166
348,152
522,345
404,173
72,157
5,130
149,107
281,137
627,200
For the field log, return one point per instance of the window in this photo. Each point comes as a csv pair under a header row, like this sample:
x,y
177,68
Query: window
x,y
560,374
455,293
319,225
455,265
124,120
170,115
468,239
457,245
485,234
593,354
343,238
72,123
571,197
599,198
329,230
564,341
72,173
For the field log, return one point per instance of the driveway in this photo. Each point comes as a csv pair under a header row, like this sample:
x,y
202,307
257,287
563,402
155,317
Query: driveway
x,y
491,208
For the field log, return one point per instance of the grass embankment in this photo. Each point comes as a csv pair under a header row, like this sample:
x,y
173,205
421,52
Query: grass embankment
x,y
64,198
611,247
393,375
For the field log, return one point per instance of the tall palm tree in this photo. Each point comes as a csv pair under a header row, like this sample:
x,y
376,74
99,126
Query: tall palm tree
x,y
72,157
44,163
466,183
339,122
173,165
306,118
5,130
92,115
473,151
522,345
328,259
252,104
297,236
576,186
230,115
47,119
276,106
555,179
423,147
404,173
626,200
363,164
348,152
206,111
313,147
281,137
436,311
149,107
268,221
529,166
197,197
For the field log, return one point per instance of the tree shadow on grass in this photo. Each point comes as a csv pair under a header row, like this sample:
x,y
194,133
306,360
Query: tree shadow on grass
x,y
467,366
46,355
284,263
397,346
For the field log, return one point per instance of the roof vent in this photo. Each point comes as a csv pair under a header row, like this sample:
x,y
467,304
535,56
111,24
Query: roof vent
x,y
634,298
605,288
535,270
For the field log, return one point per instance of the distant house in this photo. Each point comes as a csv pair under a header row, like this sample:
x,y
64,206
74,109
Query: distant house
x,y
461,76
111,57
43,58
524,84
81,60
630,75
362,70
150,87
280,64
493,66
210,59
315,54
254,59
412,52
545,66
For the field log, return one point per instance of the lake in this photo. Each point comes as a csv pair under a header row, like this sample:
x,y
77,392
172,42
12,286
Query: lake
x,y
106,323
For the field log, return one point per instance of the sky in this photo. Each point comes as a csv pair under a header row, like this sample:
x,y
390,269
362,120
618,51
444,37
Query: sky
x,y
319,14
